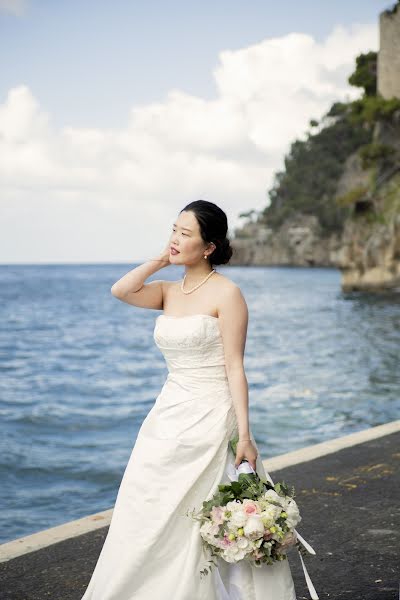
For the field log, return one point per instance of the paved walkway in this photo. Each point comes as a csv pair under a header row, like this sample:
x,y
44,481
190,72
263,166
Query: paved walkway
x,y
349,501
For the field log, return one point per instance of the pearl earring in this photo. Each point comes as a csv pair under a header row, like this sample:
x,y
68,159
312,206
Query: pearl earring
x,y
205,256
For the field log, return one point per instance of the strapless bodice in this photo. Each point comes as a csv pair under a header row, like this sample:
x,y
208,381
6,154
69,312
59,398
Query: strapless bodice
x,y
192,346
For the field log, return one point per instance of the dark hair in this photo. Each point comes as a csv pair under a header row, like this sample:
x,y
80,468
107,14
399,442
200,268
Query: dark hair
x,y
213,225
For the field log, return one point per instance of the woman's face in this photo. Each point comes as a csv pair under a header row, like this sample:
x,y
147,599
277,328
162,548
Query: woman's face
x,y
186,238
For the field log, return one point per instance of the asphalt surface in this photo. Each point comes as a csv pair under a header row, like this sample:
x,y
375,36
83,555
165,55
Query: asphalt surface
x,y
349,502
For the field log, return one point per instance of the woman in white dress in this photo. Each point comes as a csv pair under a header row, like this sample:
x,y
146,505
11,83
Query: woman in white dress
x,y
181,454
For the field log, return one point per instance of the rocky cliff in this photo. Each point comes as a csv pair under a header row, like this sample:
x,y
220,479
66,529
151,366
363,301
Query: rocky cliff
x,y
355,227
366,250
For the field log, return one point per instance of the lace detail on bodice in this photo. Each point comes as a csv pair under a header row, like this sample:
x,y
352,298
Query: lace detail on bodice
x,y
191,338
192,343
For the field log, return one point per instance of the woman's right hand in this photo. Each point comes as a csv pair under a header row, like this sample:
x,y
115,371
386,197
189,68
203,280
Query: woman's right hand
x,y
165,254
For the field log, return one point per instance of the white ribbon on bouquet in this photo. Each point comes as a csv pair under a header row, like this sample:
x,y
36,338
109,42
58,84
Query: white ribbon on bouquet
x,y
245,467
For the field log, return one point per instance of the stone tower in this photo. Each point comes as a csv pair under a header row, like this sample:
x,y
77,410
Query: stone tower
x,y
388,75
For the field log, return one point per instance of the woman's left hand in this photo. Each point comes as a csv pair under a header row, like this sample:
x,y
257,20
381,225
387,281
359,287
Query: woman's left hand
x,y
246,451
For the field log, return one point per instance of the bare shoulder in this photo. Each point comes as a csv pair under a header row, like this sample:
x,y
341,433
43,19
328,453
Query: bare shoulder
x,y
230,296
167,284
226,285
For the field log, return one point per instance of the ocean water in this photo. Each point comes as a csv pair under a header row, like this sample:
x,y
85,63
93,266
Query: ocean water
x,y
79,371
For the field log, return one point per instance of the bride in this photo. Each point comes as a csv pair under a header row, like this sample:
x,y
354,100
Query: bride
x,y
181,454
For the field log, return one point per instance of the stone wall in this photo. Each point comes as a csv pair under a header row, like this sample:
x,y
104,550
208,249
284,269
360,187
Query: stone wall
x,y
388,77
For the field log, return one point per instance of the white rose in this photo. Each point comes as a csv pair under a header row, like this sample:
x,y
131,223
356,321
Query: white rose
x,y
228,557
234,553
208,530
254,527
238,518
240,555
272,495
293,514
243,543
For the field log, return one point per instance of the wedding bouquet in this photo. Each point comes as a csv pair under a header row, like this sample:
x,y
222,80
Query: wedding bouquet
x,y
249,519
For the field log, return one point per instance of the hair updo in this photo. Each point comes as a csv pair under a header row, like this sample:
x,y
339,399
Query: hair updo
x,y
213,225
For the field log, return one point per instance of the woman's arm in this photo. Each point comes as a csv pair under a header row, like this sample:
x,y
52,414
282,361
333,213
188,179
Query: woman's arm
x,y
132,289
233,318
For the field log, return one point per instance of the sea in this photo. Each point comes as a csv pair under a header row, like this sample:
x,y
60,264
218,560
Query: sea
x,y
79,371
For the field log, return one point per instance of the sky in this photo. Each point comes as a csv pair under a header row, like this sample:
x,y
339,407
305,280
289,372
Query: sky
x,y
114,116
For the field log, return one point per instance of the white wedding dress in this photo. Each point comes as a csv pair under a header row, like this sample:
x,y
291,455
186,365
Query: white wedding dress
x,y
181,454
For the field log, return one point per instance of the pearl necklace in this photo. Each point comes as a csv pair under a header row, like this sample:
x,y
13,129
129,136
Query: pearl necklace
x,y
196,286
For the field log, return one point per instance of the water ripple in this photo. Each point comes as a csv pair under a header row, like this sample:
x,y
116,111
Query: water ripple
x,y
80,371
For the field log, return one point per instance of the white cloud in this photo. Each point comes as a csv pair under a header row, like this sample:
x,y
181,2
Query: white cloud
x,y
15,7
115,193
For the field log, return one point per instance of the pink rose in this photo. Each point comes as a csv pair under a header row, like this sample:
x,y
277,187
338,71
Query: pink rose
x,y
250,507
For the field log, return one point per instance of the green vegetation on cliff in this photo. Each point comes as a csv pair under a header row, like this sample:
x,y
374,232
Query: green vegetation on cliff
x,y
313,167
312,170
